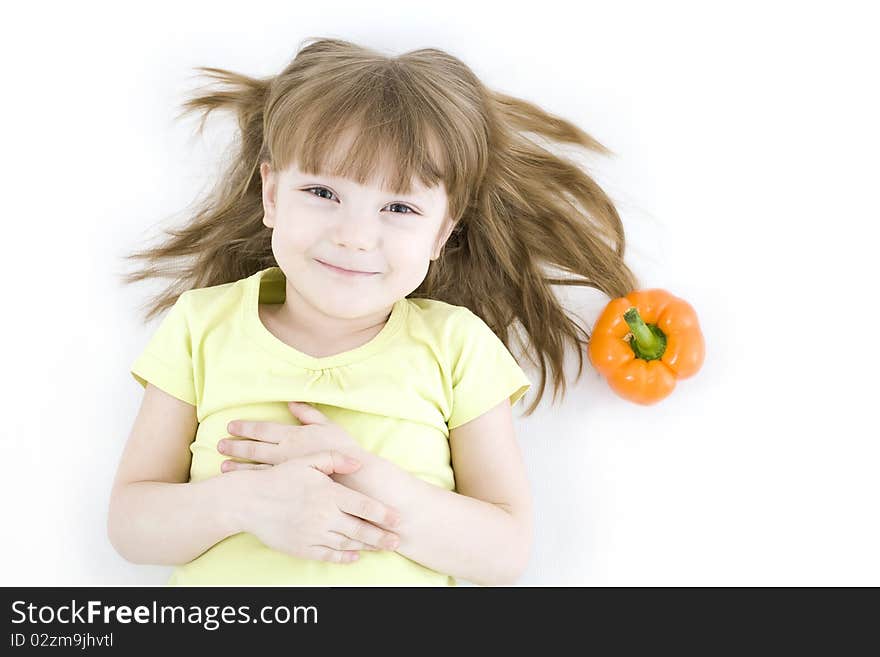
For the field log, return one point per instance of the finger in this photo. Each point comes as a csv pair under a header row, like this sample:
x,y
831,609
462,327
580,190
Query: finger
x,y
270,432
327,553
365,532
342,542
329,462
306,413
229,466
358,504
253,450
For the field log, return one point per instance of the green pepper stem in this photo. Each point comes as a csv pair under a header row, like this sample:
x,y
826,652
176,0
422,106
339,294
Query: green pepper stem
x,y
644,338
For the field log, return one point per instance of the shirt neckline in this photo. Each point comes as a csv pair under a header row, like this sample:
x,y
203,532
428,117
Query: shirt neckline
x,y
258,331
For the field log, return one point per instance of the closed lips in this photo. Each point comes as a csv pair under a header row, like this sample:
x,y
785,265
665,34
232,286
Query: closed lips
x,y
355,271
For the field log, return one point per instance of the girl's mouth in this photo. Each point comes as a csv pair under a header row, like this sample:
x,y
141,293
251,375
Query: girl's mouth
x,y
345,272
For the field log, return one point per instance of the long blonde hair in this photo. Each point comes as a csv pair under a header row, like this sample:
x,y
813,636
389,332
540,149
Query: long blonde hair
x,y
517,207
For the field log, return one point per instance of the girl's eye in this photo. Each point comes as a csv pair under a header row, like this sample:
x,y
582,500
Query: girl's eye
x,y
409,210
323,189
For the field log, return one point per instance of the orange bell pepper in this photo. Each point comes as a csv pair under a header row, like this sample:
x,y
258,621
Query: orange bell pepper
x,y
644,342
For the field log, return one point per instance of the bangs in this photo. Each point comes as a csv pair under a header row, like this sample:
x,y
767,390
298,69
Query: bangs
x,y
371,134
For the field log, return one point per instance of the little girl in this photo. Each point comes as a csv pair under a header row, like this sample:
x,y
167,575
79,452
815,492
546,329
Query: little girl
x,y
328,400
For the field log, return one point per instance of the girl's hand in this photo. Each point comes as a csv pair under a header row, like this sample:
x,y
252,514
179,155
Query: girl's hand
x,y
296,508
272,443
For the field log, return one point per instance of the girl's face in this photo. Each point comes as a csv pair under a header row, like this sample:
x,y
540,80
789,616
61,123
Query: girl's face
x,y
363,228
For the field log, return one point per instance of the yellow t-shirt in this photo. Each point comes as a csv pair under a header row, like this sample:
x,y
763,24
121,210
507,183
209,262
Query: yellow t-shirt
x,y
432,367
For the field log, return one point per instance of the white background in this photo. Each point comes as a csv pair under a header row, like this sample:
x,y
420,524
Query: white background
x,y
746,168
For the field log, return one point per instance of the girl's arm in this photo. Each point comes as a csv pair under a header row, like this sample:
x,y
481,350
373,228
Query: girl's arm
x,y
156,516
155,522
462,534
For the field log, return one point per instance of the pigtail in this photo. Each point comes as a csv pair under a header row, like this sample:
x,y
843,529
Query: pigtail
x,y
225,239
533,210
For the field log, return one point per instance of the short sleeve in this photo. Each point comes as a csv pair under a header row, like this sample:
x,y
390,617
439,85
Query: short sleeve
x,y
166,361
483,371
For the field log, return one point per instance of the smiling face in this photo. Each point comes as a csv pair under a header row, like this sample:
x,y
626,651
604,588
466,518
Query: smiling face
x,y
364,228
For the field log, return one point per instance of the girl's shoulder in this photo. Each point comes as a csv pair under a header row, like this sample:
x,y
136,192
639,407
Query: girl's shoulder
x,y
436,313
207,305
445,322
206,296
